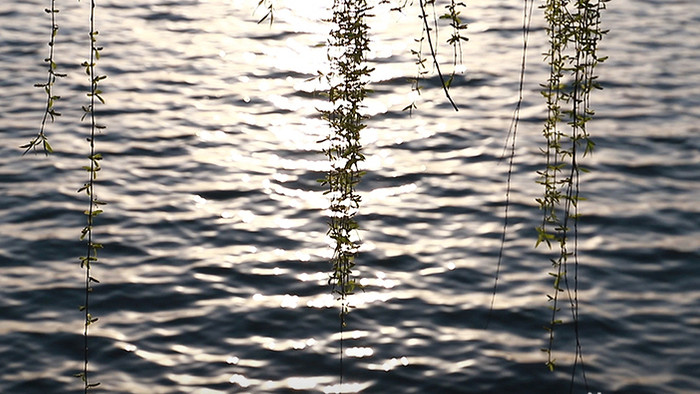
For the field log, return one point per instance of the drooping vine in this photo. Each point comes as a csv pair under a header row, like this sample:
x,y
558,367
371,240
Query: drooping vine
x,y
433,50
452,15
348,45
94,206
50,112
574,31
509,146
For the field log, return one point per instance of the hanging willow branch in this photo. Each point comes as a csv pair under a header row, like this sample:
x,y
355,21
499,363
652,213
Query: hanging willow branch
x,y
445,84
49,112
348,44
574,32
452,15
89,188
348,77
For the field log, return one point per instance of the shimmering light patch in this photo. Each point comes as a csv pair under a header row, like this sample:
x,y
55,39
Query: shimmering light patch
x,y
127,347
182,349
290,301
360,299
359,352
208,278
385,73
388,330
187,290
264,84
325,253
369,136
233,360
303,344
367,246
299,383
217,135
416,342
312,85
379,281
240,380
380,160
276,161
267,271
310,10
300,198
414,96
192,380
346,388
404,361
380,194
289,223
318,276
374,107
158,358
208,391
431,271
248,57
199,200
270,344
296,56
391,364
282,102
465,364
280,177
322,301
246,216
355,334
302,256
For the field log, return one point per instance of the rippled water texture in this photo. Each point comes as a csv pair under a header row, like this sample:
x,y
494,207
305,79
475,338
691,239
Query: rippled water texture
x,y
214,272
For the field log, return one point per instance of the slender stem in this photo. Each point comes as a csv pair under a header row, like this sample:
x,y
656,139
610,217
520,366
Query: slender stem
x,y
49,111
91,255
342,370
432,52
512,134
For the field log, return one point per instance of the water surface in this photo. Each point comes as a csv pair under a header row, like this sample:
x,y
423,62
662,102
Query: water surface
x,y
213,277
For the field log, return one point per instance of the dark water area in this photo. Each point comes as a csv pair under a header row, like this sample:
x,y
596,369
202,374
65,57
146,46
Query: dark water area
x,y
215,267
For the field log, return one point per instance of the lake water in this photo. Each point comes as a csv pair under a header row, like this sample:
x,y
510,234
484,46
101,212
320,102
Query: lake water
x,y
214,272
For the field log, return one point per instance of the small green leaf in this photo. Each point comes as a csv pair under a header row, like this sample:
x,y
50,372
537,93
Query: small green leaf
x,y
550,365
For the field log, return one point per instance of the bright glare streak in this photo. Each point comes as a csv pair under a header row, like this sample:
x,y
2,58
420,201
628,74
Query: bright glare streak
x,y
239,380
345,388
359,352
